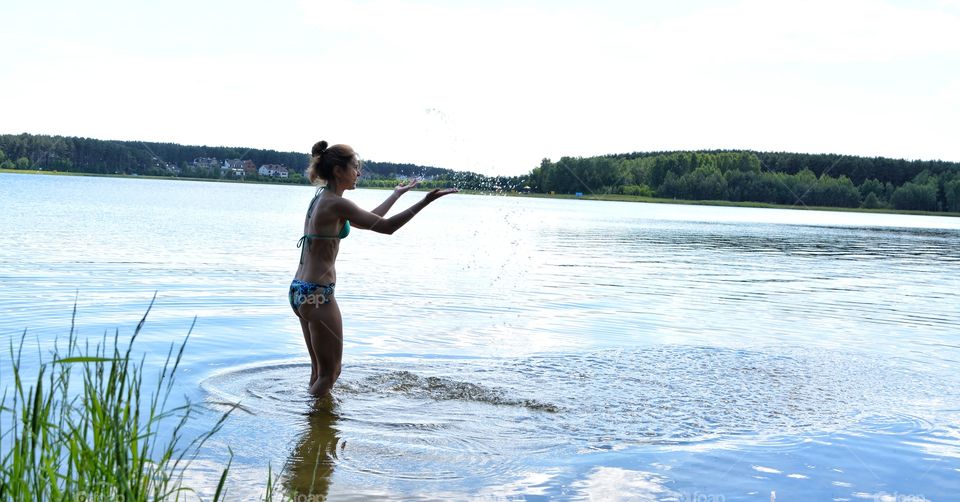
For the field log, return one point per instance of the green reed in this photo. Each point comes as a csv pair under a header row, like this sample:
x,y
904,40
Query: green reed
x,y
110,439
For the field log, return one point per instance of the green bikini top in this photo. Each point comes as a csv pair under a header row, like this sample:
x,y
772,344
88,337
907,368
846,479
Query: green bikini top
x,y
304,241
344,232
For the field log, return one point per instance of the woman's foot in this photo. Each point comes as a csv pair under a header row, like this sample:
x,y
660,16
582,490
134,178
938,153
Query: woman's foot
x,y
321,387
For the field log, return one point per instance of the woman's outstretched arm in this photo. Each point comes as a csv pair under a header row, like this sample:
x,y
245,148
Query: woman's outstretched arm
x,y
346,209
382,209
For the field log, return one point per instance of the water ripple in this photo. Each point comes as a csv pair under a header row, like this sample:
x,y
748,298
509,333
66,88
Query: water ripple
x,y
672,396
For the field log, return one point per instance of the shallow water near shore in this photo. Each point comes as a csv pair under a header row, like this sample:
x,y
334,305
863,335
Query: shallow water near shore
x,y
502,347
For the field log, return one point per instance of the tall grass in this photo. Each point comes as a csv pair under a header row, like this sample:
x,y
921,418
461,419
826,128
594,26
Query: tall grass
x,y
108,439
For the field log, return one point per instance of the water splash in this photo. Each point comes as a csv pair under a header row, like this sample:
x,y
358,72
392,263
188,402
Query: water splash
x,y
414,386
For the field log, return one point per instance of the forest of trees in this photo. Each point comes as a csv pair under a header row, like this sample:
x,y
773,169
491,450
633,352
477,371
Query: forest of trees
x,y
773,177
85,155
779,178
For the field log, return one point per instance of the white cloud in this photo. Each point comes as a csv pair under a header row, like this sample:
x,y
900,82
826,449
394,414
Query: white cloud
x,y
494,87
766,75
816,32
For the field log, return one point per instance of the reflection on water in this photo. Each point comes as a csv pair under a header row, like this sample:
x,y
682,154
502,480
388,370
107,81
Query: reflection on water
x,y
612,483
310,466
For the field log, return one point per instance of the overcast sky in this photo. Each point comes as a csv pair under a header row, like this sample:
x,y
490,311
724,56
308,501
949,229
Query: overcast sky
x,y
490,86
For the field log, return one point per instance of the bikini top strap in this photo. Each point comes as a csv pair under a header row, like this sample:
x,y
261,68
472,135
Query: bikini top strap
x,y
313,201
304,241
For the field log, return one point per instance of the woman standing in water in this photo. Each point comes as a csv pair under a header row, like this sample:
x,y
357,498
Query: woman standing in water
x,y
329,219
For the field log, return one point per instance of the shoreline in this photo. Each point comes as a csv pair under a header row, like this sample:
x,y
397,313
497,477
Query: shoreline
x,y
748,204
600,197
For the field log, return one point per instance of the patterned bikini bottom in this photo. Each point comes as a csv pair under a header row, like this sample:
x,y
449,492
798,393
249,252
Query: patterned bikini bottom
x,y
309,292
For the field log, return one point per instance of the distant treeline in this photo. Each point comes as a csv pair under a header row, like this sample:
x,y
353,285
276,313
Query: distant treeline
x,y
774,177
86,155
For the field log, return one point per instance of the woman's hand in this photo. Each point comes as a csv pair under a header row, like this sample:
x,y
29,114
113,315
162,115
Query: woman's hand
x,y
402,189
436,193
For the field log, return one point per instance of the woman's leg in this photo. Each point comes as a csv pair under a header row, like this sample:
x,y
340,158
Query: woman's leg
x,y
305,326
296,297
326,338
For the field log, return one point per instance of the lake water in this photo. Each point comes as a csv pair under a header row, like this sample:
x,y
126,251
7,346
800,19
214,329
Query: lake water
x,y
522,348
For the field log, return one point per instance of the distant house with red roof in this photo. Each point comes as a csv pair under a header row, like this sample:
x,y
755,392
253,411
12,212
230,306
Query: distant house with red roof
x,y
275,170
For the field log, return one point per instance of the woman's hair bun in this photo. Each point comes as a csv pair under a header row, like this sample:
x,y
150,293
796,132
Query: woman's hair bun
x,y
319,148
